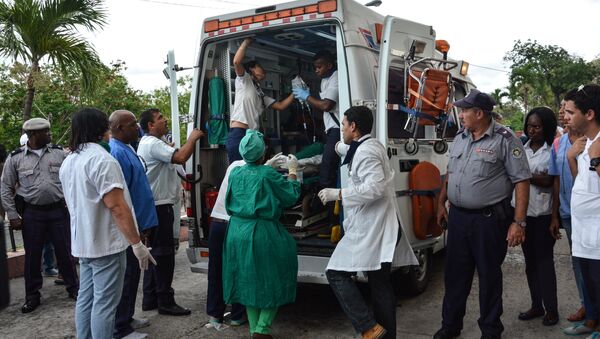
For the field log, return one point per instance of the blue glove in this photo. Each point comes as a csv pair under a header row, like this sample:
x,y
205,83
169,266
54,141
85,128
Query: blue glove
x,y
301,93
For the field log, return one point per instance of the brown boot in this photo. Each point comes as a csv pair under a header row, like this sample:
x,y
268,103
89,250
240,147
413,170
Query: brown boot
x,y
577,316
261,336
374,332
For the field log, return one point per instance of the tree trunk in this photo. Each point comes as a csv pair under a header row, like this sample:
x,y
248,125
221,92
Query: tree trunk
x,y
27,106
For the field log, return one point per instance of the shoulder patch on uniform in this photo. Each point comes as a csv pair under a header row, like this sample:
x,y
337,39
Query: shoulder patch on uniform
x,y
17,151
504,132
55,146
516,152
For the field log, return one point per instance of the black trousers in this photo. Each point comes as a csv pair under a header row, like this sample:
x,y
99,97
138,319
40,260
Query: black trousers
x,y
590,269
538,249
355,307
126,306
158,279
215,305
331,161
475,241
38,226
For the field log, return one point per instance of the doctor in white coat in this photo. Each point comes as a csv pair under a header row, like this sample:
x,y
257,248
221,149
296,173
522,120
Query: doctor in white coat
x,y
372,241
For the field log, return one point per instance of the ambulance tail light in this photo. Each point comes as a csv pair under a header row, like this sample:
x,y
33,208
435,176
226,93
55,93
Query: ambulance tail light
x,y
464,68
211,26
187,192
327,6
443,46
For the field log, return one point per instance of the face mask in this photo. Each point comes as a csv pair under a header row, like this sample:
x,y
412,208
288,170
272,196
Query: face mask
x,y
104,145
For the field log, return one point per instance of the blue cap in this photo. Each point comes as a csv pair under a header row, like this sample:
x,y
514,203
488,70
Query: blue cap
x,y
475,98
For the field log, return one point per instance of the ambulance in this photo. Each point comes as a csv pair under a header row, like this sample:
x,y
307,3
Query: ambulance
x,y
394,66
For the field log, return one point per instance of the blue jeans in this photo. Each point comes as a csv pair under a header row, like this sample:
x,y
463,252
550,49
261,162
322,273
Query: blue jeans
x,y
101,284
233,143
591,312
48,256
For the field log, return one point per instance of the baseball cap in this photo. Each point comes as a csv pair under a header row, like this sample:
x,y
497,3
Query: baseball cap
x,y
475,98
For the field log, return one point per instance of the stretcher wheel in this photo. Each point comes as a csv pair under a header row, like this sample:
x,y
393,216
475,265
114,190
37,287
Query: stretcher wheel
x,y
411,147
440,146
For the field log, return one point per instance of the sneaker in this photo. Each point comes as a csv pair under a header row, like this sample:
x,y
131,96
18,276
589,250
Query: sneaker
x,y
52,272
238,322
138,323
374,332
577,329
136,335
594,335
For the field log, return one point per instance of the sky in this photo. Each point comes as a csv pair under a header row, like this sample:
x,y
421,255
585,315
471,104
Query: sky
x,y
141,32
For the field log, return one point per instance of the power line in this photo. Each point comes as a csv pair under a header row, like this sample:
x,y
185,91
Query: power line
x,y
180,4
491,68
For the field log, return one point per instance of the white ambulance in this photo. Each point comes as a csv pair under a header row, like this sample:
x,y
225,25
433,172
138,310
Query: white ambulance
x,y
394,66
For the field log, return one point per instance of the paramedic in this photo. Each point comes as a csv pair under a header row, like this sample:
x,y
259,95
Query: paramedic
x,y
371,233
260,264
486,160
160,160
31,174
250,101
324,64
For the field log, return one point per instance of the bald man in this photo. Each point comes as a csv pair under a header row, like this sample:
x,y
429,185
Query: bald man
x,y
124,130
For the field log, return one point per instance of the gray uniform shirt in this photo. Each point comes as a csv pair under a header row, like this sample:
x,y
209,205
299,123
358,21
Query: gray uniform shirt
x,y
36,176
483,172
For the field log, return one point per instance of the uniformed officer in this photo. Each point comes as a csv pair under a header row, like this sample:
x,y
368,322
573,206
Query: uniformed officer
x,y
487,162
33,198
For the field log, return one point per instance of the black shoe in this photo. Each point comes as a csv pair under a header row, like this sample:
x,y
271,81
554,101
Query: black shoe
x,y
30,305
174,309
444,333
149,306
531,314
73,295
550,319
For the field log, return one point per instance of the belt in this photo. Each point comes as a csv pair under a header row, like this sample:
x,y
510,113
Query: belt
x,y
487,210
48,207
500,208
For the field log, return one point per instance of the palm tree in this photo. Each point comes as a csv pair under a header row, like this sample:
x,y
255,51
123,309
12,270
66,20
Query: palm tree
x,y
498,94
33,31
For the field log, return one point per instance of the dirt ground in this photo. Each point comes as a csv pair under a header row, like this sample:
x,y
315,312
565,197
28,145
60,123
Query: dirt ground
x,y
315,314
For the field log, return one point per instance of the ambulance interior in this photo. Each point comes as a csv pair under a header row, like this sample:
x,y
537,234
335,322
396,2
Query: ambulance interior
x,y
285,53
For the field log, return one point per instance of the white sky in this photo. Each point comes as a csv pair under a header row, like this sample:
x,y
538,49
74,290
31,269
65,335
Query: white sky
x,y
140,32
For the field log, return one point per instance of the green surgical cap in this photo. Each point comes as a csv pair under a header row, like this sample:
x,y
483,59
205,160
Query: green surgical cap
x,y
252,146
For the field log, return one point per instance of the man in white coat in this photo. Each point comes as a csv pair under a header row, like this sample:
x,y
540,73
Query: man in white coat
x,y
372,239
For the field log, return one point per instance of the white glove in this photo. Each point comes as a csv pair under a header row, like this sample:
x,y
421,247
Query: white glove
x,y
315,160
341,148
292,164
329,194
142,253
276,160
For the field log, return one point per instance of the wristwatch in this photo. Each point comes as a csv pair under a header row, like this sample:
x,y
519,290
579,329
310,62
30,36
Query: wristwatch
x,y
594,162
521,223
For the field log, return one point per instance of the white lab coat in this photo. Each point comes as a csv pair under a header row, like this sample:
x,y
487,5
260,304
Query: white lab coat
x,y
371,223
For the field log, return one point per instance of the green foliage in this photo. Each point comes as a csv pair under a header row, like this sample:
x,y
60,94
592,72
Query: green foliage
x,y
33,31
542,74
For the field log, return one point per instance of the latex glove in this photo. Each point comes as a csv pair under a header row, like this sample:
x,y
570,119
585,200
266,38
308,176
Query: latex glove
x,y
292,164
276,160
315,160
329,194
341,148
142,253
301,93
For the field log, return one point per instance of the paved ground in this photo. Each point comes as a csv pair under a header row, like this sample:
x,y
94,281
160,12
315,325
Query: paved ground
x,y
314,315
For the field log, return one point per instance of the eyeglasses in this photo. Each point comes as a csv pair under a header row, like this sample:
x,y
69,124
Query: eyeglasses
x,y
580,89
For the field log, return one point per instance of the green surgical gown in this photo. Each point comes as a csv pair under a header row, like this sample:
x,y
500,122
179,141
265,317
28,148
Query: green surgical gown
x,y
260,265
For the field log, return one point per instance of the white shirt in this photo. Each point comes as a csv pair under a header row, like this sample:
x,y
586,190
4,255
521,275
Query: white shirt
x,y
86,177
329,90
162,174
219,210
585,207
248,104
540,198
371,225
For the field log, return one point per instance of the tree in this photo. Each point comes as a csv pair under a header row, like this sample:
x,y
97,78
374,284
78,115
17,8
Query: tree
x,y
33,31
499,94
546,72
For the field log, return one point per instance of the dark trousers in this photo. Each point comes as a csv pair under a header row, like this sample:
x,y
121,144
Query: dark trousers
x,y
159,278
538,249
355,307
37,227
126,306
233,143
330,163
475,241
215,305
590,269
